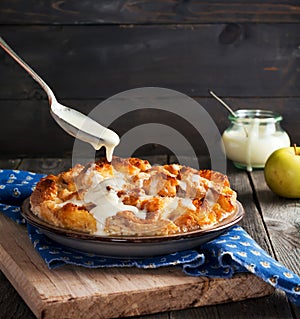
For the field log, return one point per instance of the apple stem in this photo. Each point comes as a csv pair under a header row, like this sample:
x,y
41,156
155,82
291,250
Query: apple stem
x,y
295,149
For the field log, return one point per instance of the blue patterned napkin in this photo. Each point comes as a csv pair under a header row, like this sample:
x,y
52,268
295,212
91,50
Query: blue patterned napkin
x,y
232,252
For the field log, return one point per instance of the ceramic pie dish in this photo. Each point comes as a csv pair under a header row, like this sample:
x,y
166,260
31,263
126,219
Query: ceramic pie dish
x,y
130,246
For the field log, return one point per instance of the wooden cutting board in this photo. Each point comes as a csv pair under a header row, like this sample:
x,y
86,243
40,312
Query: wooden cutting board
x,y
75,292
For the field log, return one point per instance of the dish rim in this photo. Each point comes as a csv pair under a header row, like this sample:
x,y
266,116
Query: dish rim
x,y
34,220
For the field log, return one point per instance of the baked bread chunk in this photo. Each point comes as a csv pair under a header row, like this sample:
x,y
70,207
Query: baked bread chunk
x,y
129,197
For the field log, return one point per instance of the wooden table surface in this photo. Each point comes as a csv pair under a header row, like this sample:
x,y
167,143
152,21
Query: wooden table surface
x,y
272,221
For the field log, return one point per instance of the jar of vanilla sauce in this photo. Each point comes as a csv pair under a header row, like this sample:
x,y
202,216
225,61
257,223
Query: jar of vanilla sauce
x,y
253,135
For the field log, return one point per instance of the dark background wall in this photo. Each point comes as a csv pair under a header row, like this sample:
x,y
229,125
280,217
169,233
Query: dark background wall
x,y
248,52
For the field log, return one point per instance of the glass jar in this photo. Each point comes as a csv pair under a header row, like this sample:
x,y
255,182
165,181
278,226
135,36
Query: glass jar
x,y
252,137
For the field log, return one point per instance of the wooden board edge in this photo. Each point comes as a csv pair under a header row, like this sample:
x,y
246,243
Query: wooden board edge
x,y
162,300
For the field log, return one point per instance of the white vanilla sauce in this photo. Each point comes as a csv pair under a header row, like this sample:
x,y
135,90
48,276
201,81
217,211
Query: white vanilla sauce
x,y
153,186
182,185
107,202
171,205
108,139
196,178
89,130
188,203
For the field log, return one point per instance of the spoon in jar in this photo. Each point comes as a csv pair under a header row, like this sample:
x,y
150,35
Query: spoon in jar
x,y
223,103
228,108
72,121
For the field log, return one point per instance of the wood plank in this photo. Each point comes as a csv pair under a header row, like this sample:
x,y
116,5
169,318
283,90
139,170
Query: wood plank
x,y
282,220
252,222
281,217
57,165
12,306
188,58
33,131
22,140
163,11
9,163
46,165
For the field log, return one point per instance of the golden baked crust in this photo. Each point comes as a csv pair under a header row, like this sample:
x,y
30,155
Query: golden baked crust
x,y
129,197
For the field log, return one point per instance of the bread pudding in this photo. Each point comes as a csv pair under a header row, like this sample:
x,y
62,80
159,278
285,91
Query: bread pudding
x,y
129,197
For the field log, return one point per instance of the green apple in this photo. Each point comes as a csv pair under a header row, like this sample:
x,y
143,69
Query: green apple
x,y
282,172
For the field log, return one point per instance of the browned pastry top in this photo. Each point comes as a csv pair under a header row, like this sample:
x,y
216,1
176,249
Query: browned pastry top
x,y
129,197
